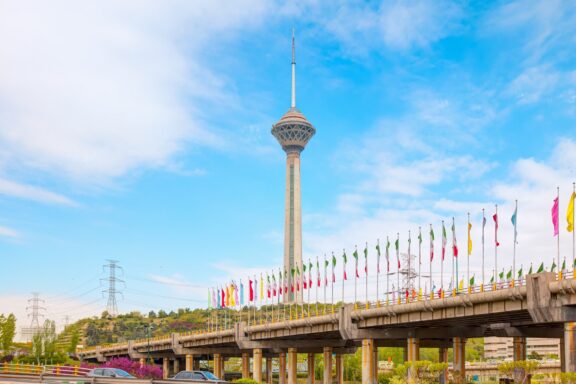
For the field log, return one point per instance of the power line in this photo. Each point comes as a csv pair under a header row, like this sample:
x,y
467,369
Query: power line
x,y
33,310
111,305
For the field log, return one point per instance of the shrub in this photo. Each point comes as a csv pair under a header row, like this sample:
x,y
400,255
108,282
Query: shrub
x,y
141,371
245,381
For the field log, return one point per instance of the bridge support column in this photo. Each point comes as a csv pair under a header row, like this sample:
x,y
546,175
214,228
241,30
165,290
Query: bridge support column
x,y
189,362
339,369
443,358
375,363
459,363
219,366
311,371
368,361
327,377
176,365
257,364
245,365
269,370
569,364
282,368
413,351
165,367
519,354
292,365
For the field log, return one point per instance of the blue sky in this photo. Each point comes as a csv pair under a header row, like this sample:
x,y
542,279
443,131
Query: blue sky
x,y
140,131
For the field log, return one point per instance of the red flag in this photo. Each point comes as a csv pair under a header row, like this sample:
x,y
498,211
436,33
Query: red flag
x,y
495,217
251,291
555,221
223,299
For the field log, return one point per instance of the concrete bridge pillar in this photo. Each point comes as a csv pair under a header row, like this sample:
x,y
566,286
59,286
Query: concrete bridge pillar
x,y
339,369
375,363
368,361
282,368
245,365
269,370
519,354
165,367
189,362
443,358
218,366
459,363
292,365
257,362
413,352
176,366
327,376
569,364
311,372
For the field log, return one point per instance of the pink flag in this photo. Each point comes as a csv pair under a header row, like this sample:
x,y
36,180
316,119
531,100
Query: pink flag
x,y
495,217
555,221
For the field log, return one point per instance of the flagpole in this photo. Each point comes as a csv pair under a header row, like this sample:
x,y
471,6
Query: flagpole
x,y
442,261
317,279
325,280
343,273
454,261
573,233
333,281
483,226
398,264
515,233
387,270
496,243
430,258
468,258
558,240
309,287
409,274
419,260
366,271
378,274
355,276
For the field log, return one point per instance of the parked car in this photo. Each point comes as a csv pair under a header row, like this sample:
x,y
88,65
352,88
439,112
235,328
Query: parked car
x,y
197,376
109,372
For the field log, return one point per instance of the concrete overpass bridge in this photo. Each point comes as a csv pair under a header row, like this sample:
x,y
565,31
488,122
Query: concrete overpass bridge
x,y
541,306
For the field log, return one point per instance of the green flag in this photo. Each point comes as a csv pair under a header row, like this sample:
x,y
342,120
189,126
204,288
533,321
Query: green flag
x,y
501,275
492,280
540,268
378,249
553,266
355,254
333,260
472,280
564,265
397,244
520,272
344,257
509,274
530,270
419,237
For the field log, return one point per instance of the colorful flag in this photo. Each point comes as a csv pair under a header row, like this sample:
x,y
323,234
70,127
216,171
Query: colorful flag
x,y
305,283
251,291
236,295
495,218
378,256
530,270
431,245
344,261
209,299
444,241
461,285
255,289
261,287
513,219
454,244
483,226
333,267
555,216
292,273
310,265
469,239
397,245
570,213
325,271
553,266
286,281
268,286
366,259
297,278
387,255
520,272
492,280
509,274
355,254
318,271
472,280
502,275
274,291
564,265
214,299
223,298
540,268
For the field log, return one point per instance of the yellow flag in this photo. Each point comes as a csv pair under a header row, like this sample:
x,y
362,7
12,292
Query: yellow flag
x,y
232,300
261,288
570,213
461,285
469,239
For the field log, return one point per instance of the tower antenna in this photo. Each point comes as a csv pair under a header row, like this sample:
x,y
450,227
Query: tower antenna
x,y
293,104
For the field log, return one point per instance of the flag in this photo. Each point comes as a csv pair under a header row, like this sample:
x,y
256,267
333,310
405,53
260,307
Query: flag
x,y
255,289
325,271
305,283
214,298
570,213
344,261
553,266
420,237
461,285
366,259
310,265
223,298
509,274
501,275
261,288
495,218
483,226
236,295
241,293
268,285
513,219
251,291
444,241
454,245
355,254
292,272
209,299
520,272
540,268
469,239
492,280
333,266
555,216
387,255
286,282
530,270
378,257
318,271
472,280
297,278
397,245
431,245
563,265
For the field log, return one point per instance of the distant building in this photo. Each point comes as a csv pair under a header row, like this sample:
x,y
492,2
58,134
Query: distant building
x,y
502,347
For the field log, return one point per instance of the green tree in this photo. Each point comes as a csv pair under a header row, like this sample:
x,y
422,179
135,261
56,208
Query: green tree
x,y
7,331
74,341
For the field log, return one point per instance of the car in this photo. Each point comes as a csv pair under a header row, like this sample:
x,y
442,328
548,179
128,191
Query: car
x,y
197,376
109,372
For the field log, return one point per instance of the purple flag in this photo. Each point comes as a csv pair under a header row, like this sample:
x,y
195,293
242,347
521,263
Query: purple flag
x,y
555,221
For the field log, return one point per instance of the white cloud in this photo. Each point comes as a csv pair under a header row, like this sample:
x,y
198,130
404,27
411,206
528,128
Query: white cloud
x,y
14,189
9,232
91,92
534,83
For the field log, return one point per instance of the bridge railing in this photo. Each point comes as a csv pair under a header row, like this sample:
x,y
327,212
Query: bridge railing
x,y
33,369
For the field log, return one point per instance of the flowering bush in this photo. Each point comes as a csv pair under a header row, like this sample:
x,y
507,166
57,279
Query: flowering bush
x,y
141,371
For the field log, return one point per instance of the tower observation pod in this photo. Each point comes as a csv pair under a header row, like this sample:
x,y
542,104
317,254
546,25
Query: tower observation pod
x,y
293,132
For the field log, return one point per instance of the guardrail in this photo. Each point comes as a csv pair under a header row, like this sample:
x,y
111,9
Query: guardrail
x,y
32,369
71,379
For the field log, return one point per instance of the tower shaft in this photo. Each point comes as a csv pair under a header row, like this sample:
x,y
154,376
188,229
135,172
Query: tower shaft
x,y
293,222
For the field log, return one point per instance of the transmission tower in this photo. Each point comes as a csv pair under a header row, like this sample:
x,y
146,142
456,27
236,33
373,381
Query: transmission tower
x,y
112,291
34,308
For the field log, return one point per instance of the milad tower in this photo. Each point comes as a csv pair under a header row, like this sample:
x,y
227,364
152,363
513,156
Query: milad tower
x,y
293,132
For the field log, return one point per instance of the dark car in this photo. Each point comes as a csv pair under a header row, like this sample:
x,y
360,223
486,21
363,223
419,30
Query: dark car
x,y
110,372
197,376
